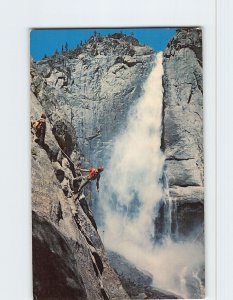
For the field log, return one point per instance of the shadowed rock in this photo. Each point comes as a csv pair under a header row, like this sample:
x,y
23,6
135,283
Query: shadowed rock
x,y
56,274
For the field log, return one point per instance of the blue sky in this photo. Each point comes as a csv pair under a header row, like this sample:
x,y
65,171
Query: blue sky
x,y
46,41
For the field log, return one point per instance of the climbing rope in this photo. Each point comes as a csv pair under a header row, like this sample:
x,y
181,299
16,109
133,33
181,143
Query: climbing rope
x,y
66,156
61,148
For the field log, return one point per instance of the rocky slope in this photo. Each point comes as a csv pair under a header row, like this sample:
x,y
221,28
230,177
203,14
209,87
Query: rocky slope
x,y
69,260
137,283
182,135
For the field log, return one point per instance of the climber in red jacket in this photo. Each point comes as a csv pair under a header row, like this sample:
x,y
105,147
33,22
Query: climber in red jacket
x,y
94,174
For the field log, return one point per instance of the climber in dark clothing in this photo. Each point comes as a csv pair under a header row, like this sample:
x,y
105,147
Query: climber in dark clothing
x,y
94,174
40,127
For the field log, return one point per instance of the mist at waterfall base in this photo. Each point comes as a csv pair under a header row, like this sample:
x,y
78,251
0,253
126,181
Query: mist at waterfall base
x,y
131,189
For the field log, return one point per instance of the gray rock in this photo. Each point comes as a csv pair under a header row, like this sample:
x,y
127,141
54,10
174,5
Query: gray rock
x,y
92,90
103,80
55,275
69,260
183,172
129,271
137,283
190,193
182,134
141,296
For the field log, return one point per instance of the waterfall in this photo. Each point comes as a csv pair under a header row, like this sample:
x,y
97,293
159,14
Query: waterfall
x,y
163,217
166,226
133,189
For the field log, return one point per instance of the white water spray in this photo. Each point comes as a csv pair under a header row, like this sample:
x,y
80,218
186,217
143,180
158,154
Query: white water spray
x,y
130,191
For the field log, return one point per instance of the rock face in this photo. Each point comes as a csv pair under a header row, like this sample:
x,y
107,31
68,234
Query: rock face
x,y
69,260
137,283
86,94
182,135
94,87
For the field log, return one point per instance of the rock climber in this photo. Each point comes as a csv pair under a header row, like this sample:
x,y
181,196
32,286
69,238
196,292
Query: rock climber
x,y
94,174
40,127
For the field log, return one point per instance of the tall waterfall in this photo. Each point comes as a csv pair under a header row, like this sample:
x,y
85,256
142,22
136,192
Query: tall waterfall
x,y
132,190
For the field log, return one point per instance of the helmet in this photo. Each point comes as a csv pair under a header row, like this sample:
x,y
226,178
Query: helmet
x,y
100,169
43,116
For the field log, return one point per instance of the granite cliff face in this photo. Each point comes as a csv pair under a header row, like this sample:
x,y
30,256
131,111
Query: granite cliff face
x,y
182,135
94,87
137,283
69,260
81,92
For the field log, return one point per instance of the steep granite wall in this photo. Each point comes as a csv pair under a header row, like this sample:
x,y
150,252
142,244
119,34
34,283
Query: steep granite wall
x,y
69,260
94,87
182,135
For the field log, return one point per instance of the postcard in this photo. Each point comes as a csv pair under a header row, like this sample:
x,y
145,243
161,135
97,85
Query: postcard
x,y
117,163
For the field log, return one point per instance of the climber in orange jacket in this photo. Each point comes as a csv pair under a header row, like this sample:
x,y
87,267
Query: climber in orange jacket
x,y
40,127
94,174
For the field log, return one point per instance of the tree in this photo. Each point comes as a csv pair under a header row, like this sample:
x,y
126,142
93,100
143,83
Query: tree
x,y
45,56
56,52
62,49
66,46
81,43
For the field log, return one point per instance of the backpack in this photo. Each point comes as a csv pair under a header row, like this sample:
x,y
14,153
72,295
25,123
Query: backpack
x,y
36,124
